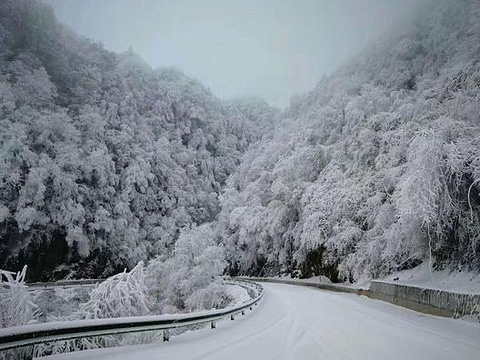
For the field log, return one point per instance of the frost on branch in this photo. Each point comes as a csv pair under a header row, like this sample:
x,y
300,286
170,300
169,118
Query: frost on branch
x,y
16,306
191,279
123,294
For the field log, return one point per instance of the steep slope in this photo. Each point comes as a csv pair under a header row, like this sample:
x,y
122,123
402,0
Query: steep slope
x,y
377,169
103,159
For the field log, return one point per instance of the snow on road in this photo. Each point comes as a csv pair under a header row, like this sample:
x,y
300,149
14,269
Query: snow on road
x,y
294,322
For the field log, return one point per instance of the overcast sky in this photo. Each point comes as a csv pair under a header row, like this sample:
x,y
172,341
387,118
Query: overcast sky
x,y
267,48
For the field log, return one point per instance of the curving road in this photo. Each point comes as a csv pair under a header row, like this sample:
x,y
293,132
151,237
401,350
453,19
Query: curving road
x,y
294,322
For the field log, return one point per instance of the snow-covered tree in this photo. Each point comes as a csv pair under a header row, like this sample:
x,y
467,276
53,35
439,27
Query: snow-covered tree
x,y
124,294
17,307
190,279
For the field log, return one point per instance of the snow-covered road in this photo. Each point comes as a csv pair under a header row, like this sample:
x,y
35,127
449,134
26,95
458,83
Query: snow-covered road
x,y
294,322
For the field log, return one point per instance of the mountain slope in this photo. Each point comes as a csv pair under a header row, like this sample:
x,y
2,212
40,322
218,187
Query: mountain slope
x,y
103,159
374,171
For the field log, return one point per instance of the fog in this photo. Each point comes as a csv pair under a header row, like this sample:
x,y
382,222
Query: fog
x,y
270,48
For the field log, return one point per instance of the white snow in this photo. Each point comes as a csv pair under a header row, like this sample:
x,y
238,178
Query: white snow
x,y
455,281
320,279
236,303
303,323
239,294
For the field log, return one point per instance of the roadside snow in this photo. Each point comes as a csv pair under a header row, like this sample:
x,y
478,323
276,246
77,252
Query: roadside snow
x,y
238,293
314,279
58,303
455,281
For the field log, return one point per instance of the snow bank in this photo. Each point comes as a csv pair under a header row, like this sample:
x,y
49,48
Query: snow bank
x,y
462,282
238,294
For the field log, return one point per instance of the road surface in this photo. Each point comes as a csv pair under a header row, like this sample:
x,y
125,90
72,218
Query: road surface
x,y
294,322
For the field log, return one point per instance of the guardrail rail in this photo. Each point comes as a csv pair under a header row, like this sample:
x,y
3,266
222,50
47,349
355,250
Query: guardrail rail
x,y
62,284
20,336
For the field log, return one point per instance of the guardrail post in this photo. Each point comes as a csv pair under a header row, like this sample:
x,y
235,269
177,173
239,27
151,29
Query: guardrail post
x,y
213,325
166,335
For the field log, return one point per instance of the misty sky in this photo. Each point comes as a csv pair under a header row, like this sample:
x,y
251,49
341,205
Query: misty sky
x,y
268,48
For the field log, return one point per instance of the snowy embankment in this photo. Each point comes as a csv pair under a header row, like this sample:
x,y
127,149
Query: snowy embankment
x,y
238,294
462,282
303,323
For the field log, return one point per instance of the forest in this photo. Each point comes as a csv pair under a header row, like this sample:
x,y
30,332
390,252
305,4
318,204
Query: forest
x,y
374,171
106,162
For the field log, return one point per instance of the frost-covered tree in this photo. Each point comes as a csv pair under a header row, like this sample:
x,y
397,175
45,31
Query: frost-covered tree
x,y
17,307
190,279
121,295
124,294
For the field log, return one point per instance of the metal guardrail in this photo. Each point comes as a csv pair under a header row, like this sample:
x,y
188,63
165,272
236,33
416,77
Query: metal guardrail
x,y
62,284
66,330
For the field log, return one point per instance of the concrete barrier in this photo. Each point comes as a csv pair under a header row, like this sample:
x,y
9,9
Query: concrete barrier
x,y
431,301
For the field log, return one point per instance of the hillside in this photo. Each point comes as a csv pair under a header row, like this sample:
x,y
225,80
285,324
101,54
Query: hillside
x,y
374,171
103,159
106,162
